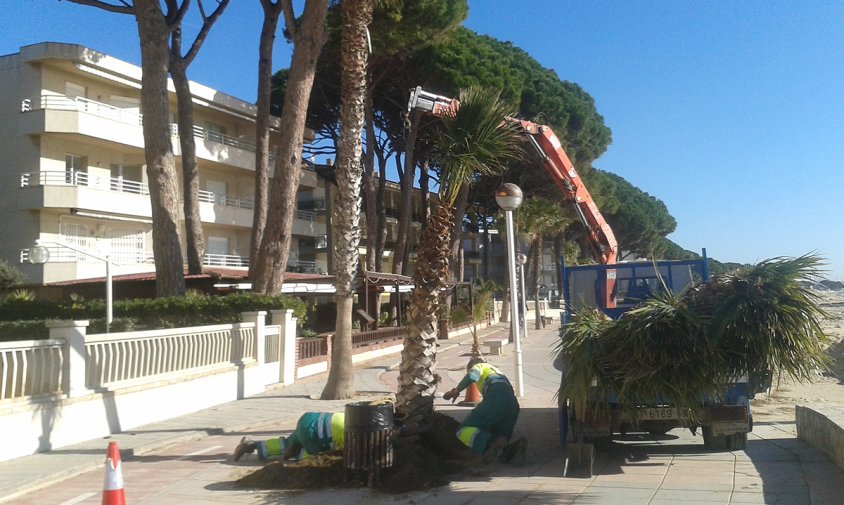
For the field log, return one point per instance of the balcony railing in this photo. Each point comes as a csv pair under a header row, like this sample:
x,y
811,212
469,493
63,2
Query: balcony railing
x,y
79,104
218,138
226,200
59,254
122,185
85,179
305,215
225,260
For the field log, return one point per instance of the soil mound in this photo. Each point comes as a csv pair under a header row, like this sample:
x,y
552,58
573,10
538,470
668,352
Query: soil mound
x,y
434,460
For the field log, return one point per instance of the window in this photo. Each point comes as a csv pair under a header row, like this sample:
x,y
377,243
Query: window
x,y
216,133
218,188
127,103
122,244
217,245
126,245
74,164
73,90
126,178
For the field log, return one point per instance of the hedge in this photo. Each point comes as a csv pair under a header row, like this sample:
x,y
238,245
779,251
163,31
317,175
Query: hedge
x,y
20,316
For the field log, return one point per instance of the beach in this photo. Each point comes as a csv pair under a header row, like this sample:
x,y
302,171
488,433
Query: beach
x,y
826,388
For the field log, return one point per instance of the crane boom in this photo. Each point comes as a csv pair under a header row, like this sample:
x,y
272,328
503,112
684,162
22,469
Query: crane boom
x,y
556,162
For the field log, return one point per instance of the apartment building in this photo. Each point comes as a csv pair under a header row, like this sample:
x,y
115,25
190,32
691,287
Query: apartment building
x,y
72,173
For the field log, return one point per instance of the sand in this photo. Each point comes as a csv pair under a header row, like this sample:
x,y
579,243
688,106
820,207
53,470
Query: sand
x,y
827,388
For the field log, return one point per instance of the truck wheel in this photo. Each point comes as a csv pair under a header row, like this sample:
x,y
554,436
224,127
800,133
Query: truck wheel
x,y
734,442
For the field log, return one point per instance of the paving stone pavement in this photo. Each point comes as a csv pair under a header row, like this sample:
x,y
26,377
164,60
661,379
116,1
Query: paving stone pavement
x,y
188,460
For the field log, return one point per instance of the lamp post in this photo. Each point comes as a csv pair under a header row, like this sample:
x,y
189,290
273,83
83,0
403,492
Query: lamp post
x,y
509,197
39,254
522,259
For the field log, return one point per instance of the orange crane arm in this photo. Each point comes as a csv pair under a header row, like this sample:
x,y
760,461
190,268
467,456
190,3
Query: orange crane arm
x,y
556,162
562,171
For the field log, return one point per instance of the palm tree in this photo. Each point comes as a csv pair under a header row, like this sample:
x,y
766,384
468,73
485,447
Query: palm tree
x,y
484,292
468,144
357,15
535,219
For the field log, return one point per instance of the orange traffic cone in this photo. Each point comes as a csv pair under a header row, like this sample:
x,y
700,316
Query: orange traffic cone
x,y
473,396
113,487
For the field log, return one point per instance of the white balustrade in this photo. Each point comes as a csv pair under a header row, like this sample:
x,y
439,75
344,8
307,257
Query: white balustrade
x,y
31,368
74,363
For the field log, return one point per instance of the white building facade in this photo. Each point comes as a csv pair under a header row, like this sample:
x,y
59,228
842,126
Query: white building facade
x,y
73,169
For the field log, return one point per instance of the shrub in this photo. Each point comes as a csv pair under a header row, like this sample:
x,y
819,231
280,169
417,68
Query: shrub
x,y
9,275
169,312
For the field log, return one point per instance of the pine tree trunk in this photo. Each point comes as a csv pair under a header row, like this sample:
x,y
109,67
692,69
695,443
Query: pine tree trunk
x,y
194,238
271,261
262,129
537,279
161,163
406,207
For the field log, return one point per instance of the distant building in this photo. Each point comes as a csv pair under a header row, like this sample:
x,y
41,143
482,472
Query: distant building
x,y
73,173
73,168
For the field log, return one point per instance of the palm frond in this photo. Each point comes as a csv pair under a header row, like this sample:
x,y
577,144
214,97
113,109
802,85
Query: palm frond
x,y
684,349
474,141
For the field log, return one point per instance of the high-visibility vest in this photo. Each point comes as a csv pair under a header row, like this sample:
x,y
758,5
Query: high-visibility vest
x,y
487,374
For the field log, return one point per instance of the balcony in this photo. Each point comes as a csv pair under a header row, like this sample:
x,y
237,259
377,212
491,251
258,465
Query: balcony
x,y
304,223
63,114
225,260
80,190
121,257
219,147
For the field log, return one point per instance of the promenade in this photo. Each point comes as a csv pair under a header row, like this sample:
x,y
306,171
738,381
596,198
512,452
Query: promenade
x,y
187,460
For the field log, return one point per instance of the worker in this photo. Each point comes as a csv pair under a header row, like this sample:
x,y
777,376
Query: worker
x,y
488,428
315,432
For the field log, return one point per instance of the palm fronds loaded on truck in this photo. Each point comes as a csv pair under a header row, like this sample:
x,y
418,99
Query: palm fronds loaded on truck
x,y
682,349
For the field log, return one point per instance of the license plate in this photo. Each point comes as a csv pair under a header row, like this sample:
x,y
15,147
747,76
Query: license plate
x,y
657,413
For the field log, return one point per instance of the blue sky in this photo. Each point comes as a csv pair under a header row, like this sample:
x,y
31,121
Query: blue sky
x,y
732,113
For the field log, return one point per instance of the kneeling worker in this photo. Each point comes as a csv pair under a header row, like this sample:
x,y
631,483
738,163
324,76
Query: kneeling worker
x,y
315,432
488,428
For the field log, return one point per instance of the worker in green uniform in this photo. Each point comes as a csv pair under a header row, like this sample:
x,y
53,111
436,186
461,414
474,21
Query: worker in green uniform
x,y
315,432
488,428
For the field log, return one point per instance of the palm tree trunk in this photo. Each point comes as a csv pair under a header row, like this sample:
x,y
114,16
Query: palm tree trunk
x,y
537,279
346,223
417,378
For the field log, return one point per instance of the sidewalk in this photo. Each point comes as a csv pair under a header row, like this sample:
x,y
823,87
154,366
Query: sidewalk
x,y
26,474
635,469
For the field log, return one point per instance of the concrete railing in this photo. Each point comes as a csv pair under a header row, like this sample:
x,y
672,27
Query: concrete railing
x,y
31,368
146,354
75,387
822,427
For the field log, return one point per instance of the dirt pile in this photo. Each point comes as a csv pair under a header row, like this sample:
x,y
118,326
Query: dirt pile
x,y
433,461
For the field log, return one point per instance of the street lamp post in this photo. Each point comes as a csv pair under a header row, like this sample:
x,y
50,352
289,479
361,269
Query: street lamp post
x,y
39,254
509,197
522,259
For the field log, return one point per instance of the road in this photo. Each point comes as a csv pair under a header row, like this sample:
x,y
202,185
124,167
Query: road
x,y
776,468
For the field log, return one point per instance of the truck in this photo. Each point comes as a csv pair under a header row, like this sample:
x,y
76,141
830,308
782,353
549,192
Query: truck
x,y
613,288
724,420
